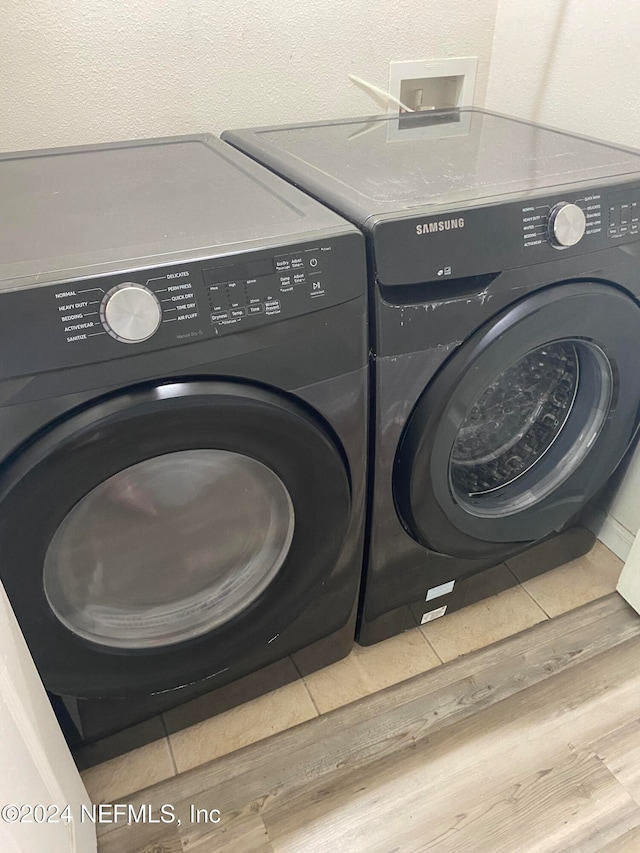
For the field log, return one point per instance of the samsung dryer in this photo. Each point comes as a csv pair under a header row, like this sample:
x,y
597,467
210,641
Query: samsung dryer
x,y
183,385
504,276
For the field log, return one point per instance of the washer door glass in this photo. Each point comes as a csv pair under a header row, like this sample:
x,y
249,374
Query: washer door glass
x,y
169,549
530,428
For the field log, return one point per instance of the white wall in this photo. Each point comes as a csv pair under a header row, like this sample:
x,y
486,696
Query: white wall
x,y
575,64
570,63
81,71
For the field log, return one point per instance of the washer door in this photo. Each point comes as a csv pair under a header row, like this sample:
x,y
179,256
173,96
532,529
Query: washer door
x,y
151,539
523,424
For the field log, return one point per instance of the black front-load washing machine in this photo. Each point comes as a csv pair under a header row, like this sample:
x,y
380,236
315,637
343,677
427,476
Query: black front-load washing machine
x,y
504,275
183,380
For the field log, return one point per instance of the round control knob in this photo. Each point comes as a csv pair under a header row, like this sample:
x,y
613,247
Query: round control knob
x,y
566,225
130,312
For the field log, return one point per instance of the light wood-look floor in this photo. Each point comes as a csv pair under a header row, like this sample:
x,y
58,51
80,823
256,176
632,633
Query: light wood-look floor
x,y
531,744
363,672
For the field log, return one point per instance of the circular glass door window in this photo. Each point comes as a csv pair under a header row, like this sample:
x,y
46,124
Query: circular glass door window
x,y
169,549
530,428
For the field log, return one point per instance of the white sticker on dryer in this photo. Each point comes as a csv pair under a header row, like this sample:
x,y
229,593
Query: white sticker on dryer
x,y
433,614
437,591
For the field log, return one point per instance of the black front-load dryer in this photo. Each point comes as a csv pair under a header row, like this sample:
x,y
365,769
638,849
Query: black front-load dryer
x,y
504,275
182,422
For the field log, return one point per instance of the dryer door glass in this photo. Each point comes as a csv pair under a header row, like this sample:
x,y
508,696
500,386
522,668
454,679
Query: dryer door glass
x,y
518,442
169,549
177,531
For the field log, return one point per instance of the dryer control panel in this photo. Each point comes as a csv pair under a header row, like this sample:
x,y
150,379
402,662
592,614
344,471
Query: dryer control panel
x,y
477,240
90,320
292,282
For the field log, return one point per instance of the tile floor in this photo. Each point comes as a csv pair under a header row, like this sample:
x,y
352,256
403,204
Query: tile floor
x,y
365,671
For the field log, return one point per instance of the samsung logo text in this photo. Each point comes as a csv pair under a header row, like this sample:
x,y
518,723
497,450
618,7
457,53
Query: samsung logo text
x,y
440,225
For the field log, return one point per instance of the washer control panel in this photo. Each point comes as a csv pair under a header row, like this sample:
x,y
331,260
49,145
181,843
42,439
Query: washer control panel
x,y
104,317
562,224
468,241
623,209
606,217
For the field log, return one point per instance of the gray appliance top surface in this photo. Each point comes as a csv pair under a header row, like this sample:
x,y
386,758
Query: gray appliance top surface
x,y
74,212
389,164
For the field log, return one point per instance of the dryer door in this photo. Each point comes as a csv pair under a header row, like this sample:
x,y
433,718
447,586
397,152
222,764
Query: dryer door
x,y
149,540
523,424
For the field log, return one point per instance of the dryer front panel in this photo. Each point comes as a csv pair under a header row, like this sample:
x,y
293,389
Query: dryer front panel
x,y
523,424
152,538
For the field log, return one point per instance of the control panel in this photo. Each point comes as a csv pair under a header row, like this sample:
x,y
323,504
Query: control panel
x,y
473,241
245,292
130,312
602,218
623,210
119,314
562,224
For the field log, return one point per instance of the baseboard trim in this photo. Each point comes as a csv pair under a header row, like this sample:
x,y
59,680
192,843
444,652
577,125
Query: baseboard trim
x,y
609,531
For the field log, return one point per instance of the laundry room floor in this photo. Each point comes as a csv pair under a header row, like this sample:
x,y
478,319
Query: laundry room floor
x,y
530,614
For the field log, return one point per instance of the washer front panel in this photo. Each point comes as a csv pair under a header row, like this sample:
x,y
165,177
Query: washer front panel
x,y
504,447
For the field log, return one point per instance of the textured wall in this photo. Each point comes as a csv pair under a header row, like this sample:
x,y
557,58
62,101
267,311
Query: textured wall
x,y
76,71
570,63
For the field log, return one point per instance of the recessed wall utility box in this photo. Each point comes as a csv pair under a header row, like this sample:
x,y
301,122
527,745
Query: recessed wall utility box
x,y
432,84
